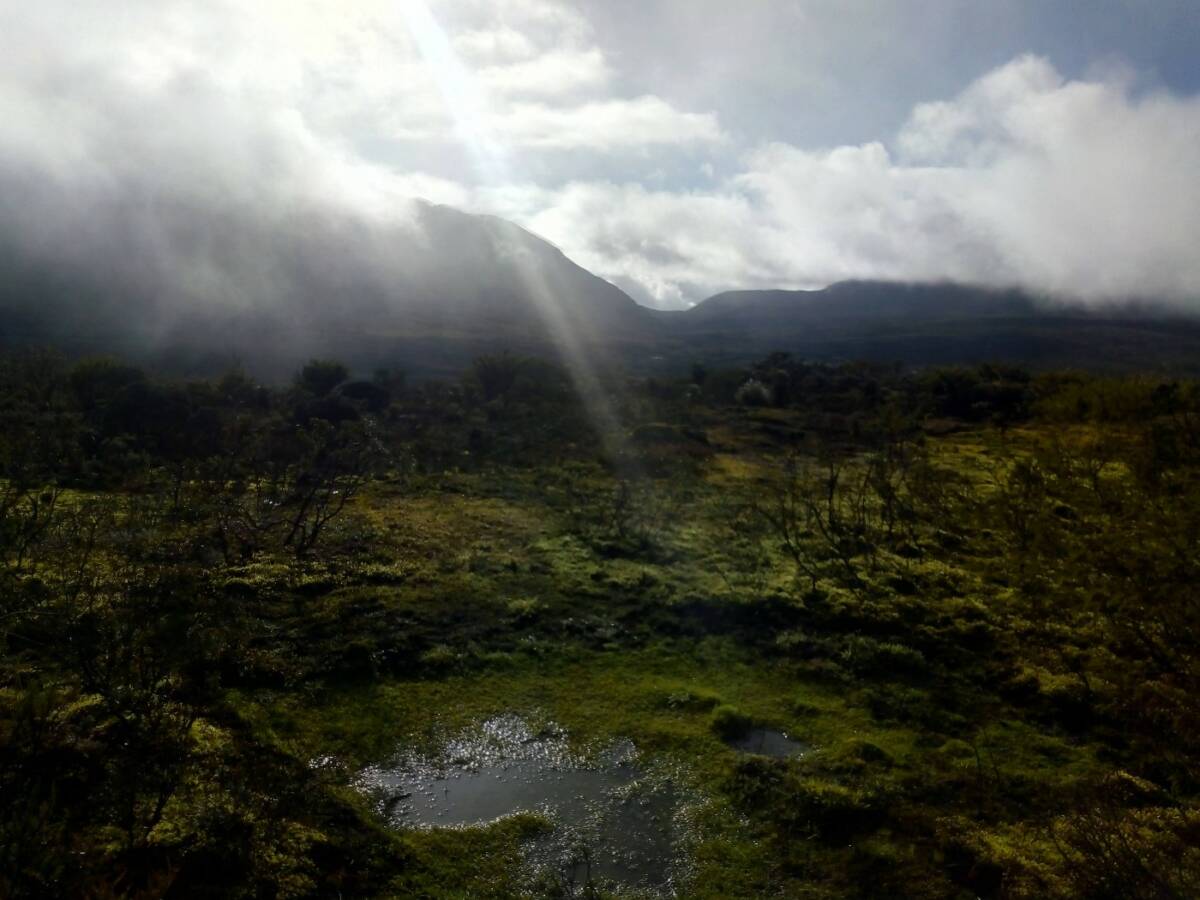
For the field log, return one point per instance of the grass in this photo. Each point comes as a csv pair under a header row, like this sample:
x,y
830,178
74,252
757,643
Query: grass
x,y
597,698
447,600
523,609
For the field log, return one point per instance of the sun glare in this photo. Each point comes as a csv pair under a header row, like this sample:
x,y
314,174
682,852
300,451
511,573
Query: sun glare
x,y
466,103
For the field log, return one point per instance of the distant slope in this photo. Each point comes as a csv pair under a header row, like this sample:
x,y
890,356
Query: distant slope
x,y
878,301
425,292
189,287
937,324
482,274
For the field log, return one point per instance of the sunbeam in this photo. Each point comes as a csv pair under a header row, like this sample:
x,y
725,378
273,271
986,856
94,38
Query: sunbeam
x,y
460,91
467,104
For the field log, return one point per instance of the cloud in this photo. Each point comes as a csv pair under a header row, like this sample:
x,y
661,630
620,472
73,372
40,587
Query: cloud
x,y
604,125
555,73
276,112
1077,188
498,44
352,76
665,248
117,123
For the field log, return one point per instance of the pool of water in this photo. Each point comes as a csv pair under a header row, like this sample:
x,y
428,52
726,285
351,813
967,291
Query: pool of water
x,y
613,823
768,742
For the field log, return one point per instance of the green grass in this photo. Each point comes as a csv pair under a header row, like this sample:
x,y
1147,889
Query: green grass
x,y
509,590
597,697
661,697
525,610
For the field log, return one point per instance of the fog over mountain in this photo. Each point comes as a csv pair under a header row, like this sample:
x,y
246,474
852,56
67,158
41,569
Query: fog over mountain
x,y
161,279
170,163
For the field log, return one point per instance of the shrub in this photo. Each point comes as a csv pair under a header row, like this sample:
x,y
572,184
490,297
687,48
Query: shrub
x,y
524,609
441,657
834,811
868,656
320,376
753,393
692,701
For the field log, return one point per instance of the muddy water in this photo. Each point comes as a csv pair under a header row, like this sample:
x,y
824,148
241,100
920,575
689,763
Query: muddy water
x,y
612,822
768,742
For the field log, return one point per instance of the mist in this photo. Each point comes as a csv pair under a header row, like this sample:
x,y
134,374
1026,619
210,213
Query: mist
x,y
170,161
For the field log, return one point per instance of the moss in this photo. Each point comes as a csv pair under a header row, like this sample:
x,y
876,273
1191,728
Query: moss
x,y
692,701
955,702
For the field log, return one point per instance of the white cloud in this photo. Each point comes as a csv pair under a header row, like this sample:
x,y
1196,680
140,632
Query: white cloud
x,y
603,125
1084,186
1078,188
491,46
554,73
349,75
665,248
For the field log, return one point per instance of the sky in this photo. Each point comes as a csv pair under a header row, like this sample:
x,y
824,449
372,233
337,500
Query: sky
x,y
677,148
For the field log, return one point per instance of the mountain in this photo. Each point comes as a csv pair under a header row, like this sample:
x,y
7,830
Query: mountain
x,y
188,287
939,323
191,289
856,302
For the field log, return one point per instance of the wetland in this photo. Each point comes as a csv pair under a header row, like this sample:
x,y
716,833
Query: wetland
x,y
890,633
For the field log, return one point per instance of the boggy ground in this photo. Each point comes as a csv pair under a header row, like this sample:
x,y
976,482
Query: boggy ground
x,y
968,594
520,605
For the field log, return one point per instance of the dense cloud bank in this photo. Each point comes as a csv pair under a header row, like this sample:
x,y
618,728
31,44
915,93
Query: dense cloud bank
x,y
224,153
1080,189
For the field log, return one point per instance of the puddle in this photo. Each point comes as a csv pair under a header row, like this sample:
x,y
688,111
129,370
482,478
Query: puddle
x,y
613,823
768,742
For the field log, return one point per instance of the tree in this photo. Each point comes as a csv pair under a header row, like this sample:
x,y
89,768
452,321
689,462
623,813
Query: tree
x,y
319,377
281,485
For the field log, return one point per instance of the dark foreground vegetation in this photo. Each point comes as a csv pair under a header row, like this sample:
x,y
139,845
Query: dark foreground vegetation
x,y
972,591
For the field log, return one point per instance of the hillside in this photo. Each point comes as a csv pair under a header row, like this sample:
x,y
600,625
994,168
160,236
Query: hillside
x,y
938,324
188,289
431,291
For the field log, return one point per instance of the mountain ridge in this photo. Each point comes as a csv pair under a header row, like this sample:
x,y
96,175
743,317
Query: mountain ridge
x,y
430,292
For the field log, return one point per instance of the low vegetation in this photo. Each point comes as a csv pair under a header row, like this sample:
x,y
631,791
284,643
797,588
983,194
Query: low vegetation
x,y
970,591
